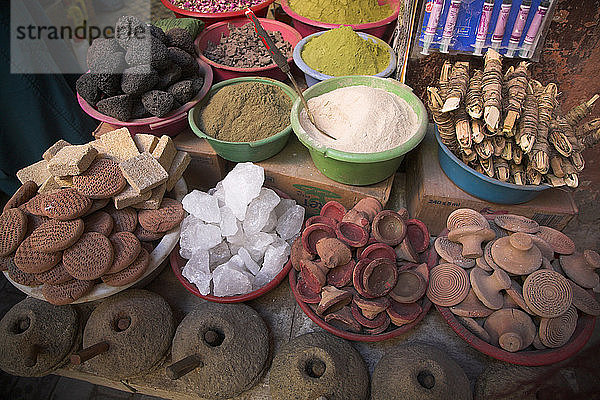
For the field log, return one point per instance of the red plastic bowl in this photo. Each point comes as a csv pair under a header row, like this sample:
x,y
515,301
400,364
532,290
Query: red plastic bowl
x,y
430,256
223,72
170,125
382,29
531,358
211,18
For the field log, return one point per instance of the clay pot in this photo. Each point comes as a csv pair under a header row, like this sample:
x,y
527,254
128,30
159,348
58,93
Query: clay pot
x,y
537,343
511,329
559,242
475,328
360,250
423,270
379,320
380,277
358,218
306,294
371,308
547,293
332,299
333,210
471,307
405,251
545,249
556,332
410,287
333,252
351,234
487,255
341,275
584,301
418,371
418,234
402,314
471,237
299,253
448,285
313,233
516,223
369,206
357,278
516,254
515,293
465,217
481,263
388,227
452,252
343,319
580,267
488,287
319,219
497,230
380,329
378,250
313,275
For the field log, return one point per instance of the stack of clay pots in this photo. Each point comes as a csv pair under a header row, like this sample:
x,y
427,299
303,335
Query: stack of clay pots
x,y
360,270
513,283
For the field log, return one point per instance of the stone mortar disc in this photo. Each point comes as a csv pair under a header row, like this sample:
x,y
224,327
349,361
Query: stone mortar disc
x,y
318,365
418,371
36,337
234,358
137,348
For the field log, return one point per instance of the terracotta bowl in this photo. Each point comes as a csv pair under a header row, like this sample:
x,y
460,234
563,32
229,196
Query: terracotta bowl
x,y
378,250
319,219
333,209
313,233
351,234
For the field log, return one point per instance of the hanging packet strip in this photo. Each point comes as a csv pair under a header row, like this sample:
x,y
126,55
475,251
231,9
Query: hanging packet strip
x,y
516,27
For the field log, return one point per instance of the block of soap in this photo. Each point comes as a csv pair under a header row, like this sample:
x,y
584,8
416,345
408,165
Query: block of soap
x,y
52,150
50,185
155,199
143,172
64,181
99,146
72,160
129,196
119,145
145,142
37,172
165,152
178,166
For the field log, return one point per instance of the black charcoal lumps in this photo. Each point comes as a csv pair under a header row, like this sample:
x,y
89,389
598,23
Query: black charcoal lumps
x,y
169,76
118,107
139,79
179,37
149,50
157,102
101,49
129,27
87,88
109,84
183,91
157,33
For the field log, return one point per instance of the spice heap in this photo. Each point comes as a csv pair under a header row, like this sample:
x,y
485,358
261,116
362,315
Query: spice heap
x,y
362,270
237,236
142,72
342,11
243,49
215,6
341,52
245,112
362,119
61,229
515,284
509,127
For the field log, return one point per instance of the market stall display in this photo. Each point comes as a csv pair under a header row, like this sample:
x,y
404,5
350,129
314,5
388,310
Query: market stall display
x,y
213,11
37,337
516,305
316,363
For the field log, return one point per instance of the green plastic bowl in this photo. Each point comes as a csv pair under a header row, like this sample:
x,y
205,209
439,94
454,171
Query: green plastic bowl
x,y
359,169
243,151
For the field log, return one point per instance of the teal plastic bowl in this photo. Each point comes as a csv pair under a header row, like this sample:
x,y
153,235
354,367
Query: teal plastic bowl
x,y
243,151
359,169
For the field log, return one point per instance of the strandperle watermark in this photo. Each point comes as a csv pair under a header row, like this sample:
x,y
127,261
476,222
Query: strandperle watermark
x,y
54,37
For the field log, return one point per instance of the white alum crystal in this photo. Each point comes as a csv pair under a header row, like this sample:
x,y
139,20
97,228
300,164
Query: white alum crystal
x,y
219,254
257,243
283,206
274,261
259,211
251,265
229,224
196,270
271,223
202,206
241,186
200,236
290,223
230,278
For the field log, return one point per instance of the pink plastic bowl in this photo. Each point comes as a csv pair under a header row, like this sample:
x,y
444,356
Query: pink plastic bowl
x,y
170,125
210,18
223,72
382,29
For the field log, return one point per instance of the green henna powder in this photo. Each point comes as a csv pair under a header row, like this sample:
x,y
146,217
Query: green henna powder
x,y
341,11
342,51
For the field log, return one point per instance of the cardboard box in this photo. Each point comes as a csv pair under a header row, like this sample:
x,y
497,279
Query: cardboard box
x,y
431,196
293,172
206,168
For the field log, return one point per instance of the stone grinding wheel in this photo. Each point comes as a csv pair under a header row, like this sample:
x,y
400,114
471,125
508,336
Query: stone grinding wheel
x,y
37,337
137,325
231,341
318,364
418,371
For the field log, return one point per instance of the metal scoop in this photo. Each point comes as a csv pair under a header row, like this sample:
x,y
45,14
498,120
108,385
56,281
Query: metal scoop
x,y
281,63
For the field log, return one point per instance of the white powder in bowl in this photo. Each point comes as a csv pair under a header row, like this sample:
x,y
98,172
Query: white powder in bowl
x,y
362,119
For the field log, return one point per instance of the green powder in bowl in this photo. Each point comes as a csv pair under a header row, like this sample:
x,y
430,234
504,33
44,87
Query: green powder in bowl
x,y
353,12
341,52
245,112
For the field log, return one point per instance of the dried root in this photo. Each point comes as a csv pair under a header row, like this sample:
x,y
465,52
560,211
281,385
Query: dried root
x,y
554,180
556,164
459,83
499,143
528,126
516,91
571,175
589,133
484,149
444,121
445,80
578,161
488,166
540,159
501,169
560,134
517,154
579,112
507,152
474,100
463,129
491,85
533,176
477,130
518,174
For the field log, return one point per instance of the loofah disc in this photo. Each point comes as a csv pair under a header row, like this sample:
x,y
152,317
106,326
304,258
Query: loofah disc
x,y
547,293
13,226
56,235
448,285
168,216
90,257
131,273
516,223
103,179
67,292
100,222
33,261
65,204
556,332
22,195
